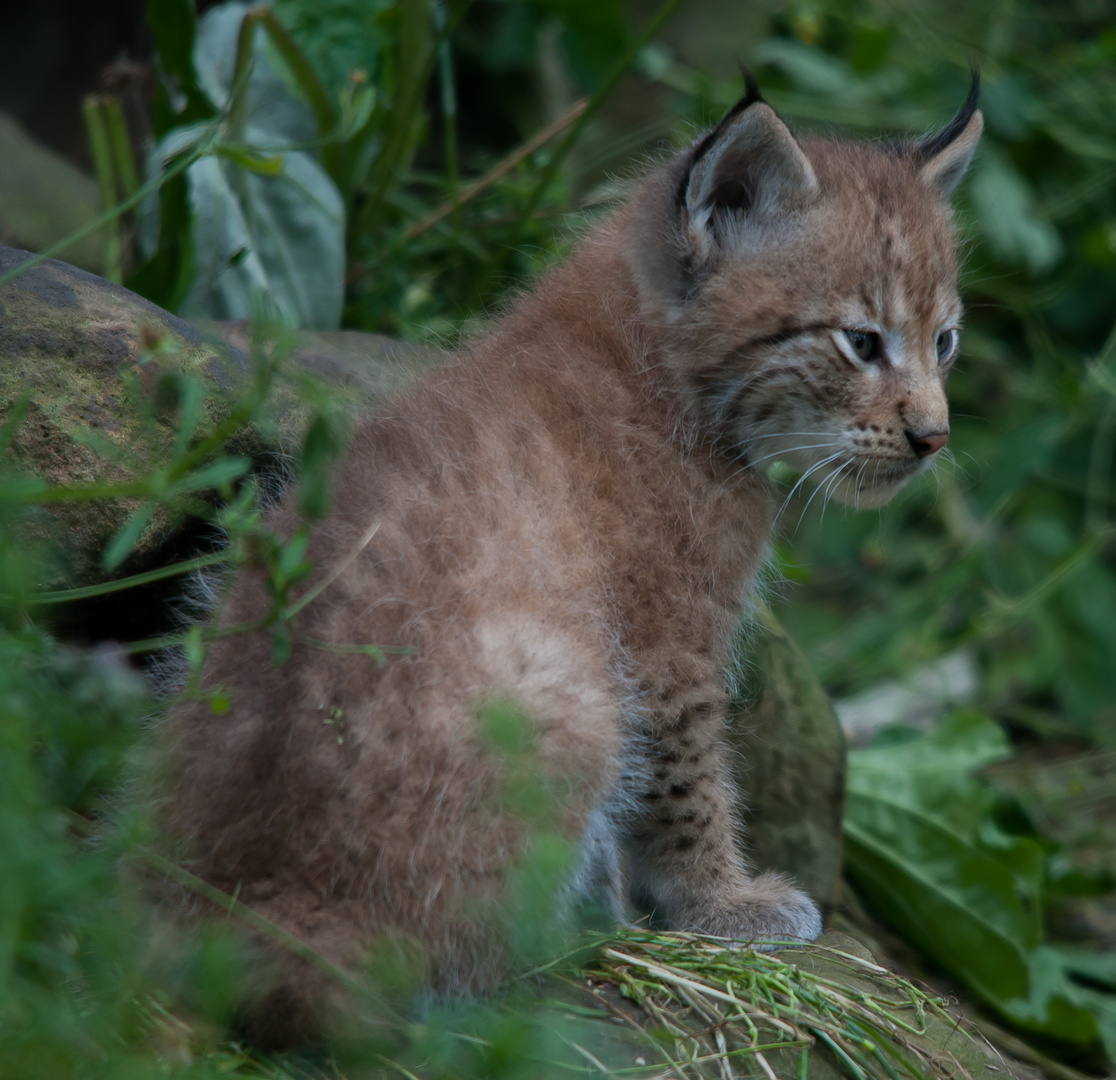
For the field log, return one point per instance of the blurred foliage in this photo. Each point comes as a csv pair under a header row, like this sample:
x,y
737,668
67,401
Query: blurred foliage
x,y
941,855
296,132
98,981
410,125
1011,550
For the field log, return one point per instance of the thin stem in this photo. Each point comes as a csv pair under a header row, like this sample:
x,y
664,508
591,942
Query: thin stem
x,y
242,72
247,915
500,170
101,152
1006,610
415,56
66,596
449,114
312,594
123,161
317,97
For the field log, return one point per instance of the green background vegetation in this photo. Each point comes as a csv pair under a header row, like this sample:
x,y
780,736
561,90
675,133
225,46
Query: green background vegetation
x,y
388,112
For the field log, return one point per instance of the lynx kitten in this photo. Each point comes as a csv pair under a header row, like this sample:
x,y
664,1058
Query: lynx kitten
x,y
570,516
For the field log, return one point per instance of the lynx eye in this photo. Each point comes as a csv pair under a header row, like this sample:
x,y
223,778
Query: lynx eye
x,y
866,344
946,345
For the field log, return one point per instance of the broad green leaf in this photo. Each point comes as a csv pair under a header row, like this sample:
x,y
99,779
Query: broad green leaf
x,y
1061,1007
932,883
280,237
272,111
922,846
265,220
1098,968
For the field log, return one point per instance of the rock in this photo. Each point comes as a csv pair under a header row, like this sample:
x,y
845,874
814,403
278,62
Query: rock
x,y
67,340
81,347
43,198
920,700
371,365
790,762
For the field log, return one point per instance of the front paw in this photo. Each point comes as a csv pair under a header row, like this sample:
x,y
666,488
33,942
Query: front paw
x,y
767,911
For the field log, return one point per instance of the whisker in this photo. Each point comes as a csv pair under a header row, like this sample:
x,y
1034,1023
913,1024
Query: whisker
x,y
813,469
859,475
786,435
792,450
813,495
790,494
957,467
830,488
936,474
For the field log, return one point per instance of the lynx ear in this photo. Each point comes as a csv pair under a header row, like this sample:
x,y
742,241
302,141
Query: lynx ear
x,y
749,164
942,159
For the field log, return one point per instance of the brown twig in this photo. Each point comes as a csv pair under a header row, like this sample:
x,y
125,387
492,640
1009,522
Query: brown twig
x,y
499,170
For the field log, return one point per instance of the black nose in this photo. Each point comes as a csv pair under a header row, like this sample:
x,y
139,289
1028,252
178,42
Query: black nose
x,y
925,443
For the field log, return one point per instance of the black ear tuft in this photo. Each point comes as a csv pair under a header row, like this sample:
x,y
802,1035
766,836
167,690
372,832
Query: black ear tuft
x,y
941,159
751,89
931,147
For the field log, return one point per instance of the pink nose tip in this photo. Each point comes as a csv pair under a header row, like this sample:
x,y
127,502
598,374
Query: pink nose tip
x,y
925,443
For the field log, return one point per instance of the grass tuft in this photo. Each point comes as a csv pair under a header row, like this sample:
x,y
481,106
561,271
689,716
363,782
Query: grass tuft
x,y
708,1007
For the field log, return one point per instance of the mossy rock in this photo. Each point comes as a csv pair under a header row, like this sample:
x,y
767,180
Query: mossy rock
x,y
84,351
790,761
69,341
46,198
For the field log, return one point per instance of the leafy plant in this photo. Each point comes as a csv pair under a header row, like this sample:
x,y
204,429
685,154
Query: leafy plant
x,y
298,152
262,218
925,847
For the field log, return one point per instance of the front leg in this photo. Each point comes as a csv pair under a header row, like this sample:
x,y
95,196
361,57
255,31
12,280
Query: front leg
x,y
684,858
